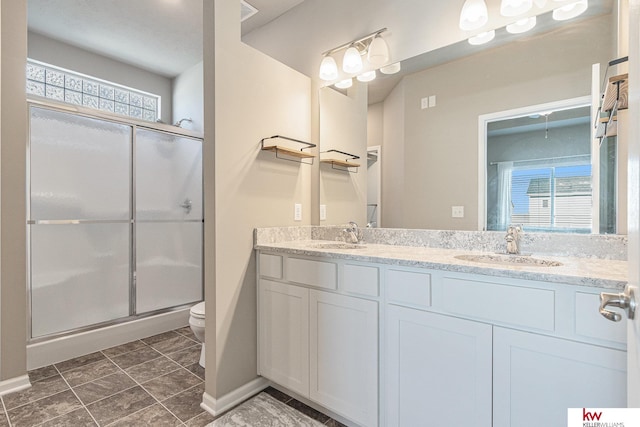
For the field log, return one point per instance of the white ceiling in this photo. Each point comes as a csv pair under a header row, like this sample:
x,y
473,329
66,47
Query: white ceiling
x,y
164,36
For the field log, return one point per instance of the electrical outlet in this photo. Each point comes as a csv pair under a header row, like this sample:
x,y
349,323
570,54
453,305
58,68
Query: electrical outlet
x,y
424,103
323,212
457,211
297,212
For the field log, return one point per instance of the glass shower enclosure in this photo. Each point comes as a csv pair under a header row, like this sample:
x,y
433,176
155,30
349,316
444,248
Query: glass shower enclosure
x,y
114,221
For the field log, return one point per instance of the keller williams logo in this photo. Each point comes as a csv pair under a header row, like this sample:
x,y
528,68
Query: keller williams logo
x,y
590,416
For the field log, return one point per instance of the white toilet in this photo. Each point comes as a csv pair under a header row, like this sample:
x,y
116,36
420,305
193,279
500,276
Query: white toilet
x,y
196,321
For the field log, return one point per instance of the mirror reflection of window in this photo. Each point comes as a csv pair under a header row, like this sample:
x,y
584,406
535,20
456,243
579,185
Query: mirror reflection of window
x,y
539,172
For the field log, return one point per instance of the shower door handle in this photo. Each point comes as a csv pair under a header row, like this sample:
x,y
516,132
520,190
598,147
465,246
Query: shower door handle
x,y
187,205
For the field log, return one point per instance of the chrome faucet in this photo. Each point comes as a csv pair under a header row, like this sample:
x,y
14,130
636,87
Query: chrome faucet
x,y
513,239
353,233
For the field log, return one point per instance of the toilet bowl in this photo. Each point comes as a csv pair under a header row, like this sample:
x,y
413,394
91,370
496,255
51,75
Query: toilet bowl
x,y
196,322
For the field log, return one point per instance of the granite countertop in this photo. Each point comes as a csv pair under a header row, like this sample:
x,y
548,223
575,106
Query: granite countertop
x,y
581,271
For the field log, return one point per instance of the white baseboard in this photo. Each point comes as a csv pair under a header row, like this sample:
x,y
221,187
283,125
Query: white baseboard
x,y
14,384
217,406
64,348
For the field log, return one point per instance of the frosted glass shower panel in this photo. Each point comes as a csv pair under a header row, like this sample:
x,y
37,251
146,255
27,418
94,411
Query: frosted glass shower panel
x,y
169,264
168,176
80,167
79,275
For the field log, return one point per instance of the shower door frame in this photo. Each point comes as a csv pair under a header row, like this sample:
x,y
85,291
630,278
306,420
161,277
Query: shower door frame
x,y
43,103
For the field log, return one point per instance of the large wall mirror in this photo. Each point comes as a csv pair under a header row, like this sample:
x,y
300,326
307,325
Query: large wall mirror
x,y
430,166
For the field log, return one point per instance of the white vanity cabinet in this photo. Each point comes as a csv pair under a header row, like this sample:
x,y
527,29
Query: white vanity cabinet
x,y
318,341
283,328
536,378
393,345
438,370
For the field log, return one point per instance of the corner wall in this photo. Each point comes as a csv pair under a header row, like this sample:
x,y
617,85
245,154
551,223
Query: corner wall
x,y
13,227
343,127
255,97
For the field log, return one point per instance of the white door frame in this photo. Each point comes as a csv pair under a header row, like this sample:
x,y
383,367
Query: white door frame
x,y
485,119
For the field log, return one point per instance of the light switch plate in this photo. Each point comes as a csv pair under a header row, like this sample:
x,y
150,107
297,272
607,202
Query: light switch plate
x,y
424,103
323,212
457,211
432,101
297,212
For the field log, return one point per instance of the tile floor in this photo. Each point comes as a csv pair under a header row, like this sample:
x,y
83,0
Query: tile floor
x,y
156,381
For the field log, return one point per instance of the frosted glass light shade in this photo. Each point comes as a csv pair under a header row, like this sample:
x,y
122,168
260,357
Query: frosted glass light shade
x,y
474,15
482,38
344,84
378,51
540,3
367,77
328,69
391,69
515,7
522,25
570,11
352,62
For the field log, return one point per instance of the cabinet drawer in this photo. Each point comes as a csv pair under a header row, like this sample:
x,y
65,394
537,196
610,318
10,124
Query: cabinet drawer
x,y
494,302
314,273
360,279
271,266
409,288
590,323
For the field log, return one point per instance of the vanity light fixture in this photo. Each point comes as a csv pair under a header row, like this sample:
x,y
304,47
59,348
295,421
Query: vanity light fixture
x,y
474,15
372,45
378,51
482,38
391,68
515,7
570,10
328,68
367,77
522,25
344,84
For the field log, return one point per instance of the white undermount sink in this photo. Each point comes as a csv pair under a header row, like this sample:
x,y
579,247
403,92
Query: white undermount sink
x,y
509,260
336,245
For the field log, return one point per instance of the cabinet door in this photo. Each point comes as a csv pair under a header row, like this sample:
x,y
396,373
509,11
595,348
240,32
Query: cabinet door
x,y
438,370
284,335
344,355
536,378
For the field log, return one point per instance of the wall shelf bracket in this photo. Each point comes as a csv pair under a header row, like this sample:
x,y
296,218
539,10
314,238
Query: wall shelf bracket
x,y
289,153
346,165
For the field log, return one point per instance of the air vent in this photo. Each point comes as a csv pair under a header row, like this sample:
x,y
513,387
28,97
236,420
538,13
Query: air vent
x,y
246,11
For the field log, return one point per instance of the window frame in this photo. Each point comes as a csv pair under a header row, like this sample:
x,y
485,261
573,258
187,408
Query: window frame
x,y
95,95
485,119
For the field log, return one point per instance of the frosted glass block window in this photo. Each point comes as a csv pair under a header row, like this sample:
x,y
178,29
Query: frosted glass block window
x,y
78,89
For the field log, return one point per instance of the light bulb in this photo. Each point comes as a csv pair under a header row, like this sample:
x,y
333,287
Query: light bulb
x,y
390,69
352,62
515,7
482,38
570,10
378,51
344,84
367,77
522,25
473,15
328,69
